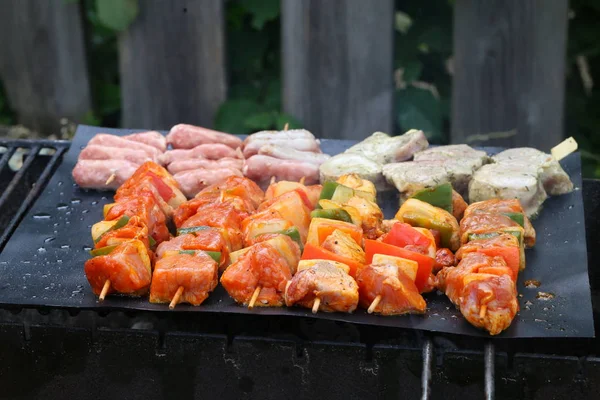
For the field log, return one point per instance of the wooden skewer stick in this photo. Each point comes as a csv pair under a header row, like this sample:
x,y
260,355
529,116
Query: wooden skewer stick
x,y
254,297
176,298
316,305
302,180
286,126
222,196
110,179
482,311
272,180
104,291
374,304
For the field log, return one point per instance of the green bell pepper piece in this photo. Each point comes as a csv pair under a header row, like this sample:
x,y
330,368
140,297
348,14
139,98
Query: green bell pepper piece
x,y
444,230
118,225
151,241
334,213
215,255
192,229
439,196
342,194
519,218
102,251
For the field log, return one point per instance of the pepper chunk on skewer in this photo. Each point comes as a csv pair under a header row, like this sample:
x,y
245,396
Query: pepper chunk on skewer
x,y
127,268
323,285
196,273
396,290
483,289
266,267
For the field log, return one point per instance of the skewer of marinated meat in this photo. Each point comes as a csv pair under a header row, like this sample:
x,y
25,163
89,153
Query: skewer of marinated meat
x,y
322,285
237,186
259,275
276,189
94,174
386,289
184,277
209,239
125,269
483,289
184,136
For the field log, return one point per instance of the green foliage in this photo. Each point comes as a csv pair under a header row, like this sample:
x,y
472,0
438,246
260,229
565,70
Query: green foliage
x,y
254,101
117,14
423,44
583,101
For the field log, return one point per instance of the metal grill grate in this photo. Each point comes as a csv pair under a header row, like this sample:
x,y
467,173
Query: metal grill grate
x,y
25,184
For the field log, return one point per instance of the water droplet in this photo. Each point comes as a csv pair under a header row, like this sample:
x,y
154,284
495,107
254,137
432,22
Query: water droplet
x,y
87,248
68,213
103,197
85,211
74,185
62,206
49,239
571,206
94,202
59,261
59,183
41,216
55,224
566,241
44,276
545,308
75,201
67,223
65,246
41,250
47,288
528,303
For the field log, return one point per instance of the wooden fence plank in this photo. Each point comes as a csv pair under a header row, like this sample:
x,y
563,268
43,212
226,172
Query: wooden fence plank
x,y
42,62
509,70
338,65
172,63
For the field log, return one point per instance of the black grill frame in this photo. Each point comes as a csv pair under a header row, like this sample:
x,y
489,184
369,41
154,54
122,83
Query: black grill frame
x,y
231,330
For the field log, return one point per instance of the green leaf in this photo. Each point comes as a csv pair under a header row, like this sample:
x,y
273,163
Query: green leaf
x,y
90,119
417,108
262,11
402,21
117,14
261,121
232,114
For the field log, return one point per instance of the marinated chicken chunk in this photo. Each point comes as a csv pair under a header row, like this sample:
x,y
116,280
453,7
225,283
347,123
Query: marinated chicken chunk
x,y
335,289
397,291
206,240
262,266
482,288
127,267
196,273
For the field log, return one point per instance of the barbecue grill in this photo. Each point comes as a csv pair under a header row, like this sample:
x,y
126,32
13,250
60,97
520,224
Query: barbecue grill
x,y
51,352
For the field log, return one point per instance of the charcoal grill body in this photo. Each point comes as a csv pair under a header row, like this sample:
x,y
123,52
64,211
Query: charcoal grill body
x,y
56,354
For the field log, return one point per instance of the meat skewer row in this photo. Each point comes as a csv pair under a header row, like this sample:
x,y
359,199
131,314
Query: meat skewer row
x,y
483,285
132,227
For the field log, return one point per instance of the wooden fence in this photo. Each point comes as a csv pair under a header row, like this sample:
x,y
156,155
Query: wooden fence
x,y
509,65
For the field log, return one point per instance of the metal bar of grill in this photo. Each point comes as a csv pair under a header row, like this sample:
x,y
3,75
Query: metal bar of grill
x,y
426,373
488,359
60,148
